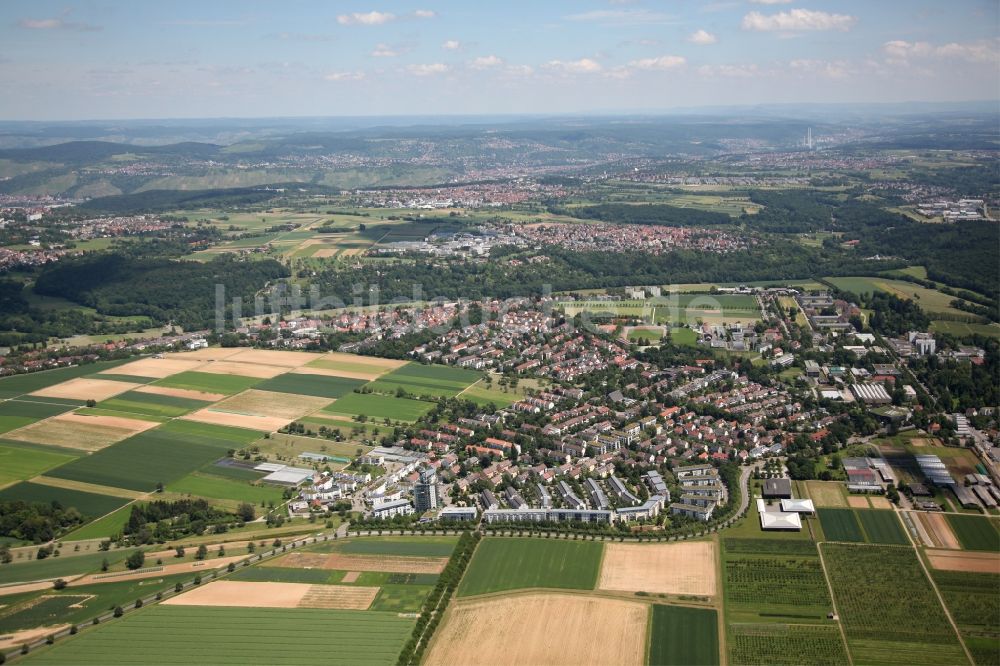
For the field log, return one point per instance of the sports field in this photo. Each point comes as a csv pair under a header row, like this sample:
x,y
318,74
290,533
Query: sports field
x,y
541,628
680,636
434,380
196,635
379,406
512,564
976,532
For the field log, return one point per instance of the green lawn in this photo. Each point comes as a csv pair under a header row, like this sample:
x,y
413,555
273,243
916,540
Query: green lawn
x,y
976,532
378,406
314,385
103,527
209,382
513,564
840,525
18,464
479,394
202,635
683,336
681,636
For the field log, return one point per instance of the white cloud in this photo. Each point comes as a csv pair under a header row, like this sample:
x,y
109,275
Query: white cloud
x,y
581,66
424,13
900,52
623,17
57,24
796,20
428,69
486,62
730,71
384,51
830,69
344,76
662,62
366,18
702,38
451,45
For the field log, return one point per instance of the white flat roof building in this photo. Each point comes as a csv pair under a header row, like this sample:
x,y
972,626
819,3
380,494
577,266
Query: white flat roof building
x,y
798,506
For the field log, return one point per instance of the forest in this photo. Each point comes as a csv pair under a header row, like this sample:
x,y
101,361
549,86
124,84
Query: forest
x,y
36,522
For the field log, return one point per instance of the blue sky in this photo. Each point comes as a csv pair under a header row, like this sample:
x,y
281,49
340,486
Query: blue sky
x,y
218,58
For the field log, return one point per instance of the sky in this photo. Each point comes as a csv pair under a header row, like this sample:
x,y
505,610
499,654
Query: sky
x,y
115,59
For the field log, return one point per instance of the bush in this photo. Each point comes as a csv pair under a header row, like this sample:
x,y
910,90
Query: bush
x,y
118,612
178,587
135,560
73,630
60,584
138,603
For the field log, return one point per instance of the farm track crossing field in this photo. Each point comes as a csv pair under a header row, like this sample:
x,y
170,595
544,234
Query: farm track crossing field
x,y
209,382
976,532
840,525
18,464
313,385
906,624
682,636
379,406
33,381
882,527
510,564
238,636
975,606
672,568
152,404
417,379
541,629
785,645
17,413
161,455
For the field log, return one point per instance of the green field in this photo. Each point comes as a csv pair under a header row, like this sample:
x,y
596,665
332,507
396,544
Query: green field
x,y
151,404
378,406
931,301
680,636
840,525
423,547
766,580
53,567
887,606
975,606
196,635
481,395
17,413
882,527
314,385
653,335
434,380
89,504
785,645
19,384
683,336
975,532
200,484
513,564
103,527
161,455
286,575
209,382
401,598
20,463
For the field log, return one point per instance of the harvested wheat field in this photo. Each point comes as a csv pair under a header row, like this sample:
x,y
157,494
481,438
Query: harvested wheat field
x,y
393,563
384,364
858,501
346,597
285,359
243,594
157,367
77,431
288,406
249,421
826,493
243,369
351,576
207,354
951,560
937,528
325,253
673,568
84,388
542,629
182,393
879,502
